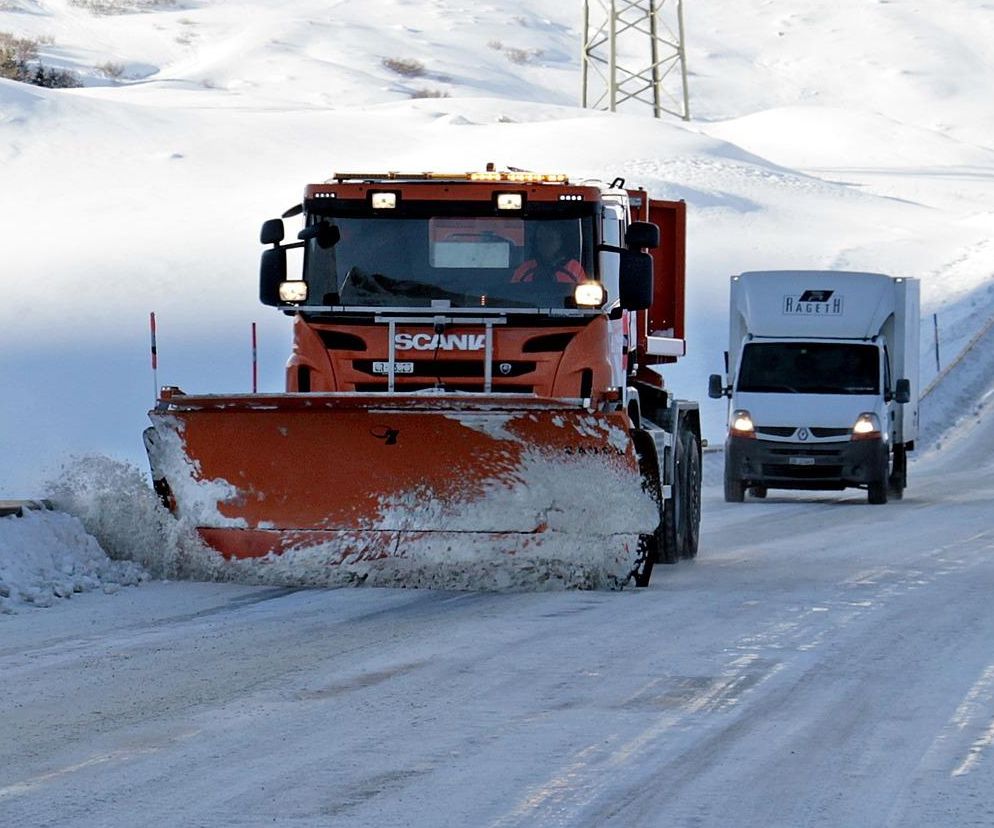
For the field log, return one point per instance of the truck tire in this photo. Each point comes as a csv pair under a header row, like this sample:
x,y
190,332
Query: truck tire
x,y
670,550
734,488
648,545
691,513
651,544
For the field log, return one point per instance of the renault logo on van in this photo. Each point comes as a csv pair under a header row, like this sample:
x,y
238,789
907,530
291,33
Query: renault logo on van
x,y
802,434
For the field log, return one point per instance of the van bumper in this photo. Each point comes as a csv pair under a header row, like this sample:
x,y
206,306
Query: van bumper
x,y
792,465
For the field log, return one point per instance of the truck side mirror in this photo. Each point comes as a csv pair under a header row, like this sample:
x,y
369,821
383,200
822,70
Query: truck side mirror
x,y
272,271
327,235
272,231
642,234
902,391
635,280
716,388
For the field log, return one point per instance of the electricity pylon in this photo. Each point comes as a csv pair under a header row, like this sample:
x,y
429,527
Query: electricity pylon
x,y
631,48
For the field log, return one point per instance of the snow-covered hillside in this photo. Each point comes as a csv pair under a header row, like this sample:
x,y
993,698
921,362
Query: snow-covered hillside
x,y
824,135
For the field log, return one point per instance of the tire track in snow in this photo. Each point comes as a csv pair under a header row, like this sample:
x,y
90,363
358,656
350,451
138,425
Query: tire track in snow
x,y
569,795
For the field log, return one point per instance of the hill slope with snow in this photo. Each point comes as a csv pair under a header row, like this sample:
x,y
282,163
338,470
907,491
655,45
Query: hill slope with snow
x,y
848,136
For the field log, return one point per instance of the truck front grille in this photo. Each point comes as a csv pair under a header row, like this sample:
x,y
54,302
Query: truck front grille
x,y
401,386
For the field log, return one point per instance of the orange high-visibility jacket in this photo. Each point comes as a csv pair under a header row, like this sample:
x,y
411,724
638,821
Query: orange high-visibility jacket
x,y
568,271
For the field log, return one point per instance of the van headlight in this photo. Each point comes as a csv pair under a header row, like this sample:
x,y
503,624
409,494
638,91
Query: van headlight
x,y
866,427
741,424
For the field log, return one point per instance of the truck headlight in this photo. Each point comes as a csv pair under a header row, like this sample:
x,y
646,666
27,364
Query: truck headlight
x,y
383,201
866,427
741,424
508,201
295,291
589,295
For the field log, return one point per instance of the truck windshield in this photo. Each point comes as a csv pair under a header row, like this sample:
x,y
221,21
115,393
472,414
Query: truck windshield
x,y
809,368
468,261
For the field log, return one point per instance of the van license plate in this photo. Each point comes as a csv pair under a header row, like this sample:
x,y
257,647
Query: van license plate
x,y
801,461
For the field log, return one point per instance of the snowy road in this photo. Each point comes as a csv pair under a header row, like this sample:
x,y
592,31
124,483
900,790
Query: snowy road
x,y
824,662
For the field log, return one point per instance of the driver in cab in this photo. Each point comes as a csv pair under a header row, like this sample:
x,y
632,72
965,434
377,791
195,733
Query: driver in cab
x,y
550,262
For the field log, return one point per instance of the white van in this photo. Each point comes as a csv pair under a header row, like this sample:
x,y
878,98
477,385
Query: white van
x,y
822,381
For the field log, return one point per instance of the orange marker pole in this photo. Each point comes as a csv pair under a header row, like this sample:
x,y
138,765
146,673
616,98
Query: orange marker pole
x,y
255,363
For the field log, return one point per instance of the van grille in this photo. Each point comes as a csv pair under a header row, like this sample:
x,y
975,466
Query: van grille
x,y
783,471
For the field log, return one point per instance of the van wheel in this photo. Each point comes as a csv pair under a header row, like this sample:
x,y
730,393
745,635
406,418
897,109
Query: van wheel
x,y
877,490
899,473
734,489
877,493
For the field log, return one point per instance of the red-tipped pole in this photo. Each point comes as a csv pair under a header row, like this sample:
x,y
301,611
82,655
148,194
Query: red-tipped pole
x,y
255,363
155,357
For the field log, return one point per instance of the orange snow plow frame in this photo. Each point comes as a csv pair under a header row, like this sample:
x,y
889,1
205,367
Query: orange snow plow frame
x,y
267,474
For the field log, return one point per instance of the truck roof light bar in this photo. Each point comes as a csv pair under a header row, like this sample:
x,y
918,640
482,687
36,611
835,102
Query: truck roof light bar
x,y
517,177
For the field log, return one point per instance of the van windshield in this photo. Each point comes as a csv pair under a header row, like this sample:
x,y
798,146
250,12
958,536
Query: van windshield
x,y
809,368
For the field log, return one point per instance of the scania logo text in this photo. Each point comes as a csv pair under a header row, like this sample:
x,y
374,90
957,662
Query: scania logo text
x,y
439,342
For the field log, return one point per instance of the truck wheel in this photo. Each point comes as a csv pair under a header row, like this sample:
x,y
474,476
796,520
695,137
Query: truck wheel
x,y
670,549
651,544
691,481
648,546
734,489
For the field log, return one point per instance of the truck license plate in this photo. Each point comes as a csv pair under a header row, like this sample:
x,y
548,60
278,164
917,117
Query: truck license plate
x,y
398,367
801,461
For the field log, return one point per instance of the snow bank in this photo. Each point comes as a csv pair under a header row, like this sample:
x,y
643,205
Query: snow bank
x,y
588,538
115,503
46,556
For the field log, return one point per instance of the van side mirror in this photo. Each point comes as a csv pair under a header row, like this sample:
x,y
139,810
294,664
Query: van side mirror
x,y
635,280
716,388
902,391
272,231
272,271
642,234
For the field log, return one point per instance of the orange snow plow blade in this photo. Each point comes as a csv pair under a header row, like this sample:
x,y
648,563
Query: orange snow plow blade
x,y
405,488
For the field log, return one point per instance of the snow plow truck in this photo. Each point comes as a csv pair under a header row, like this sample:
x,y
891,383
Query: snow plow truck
x,y
475,394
